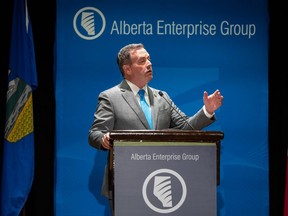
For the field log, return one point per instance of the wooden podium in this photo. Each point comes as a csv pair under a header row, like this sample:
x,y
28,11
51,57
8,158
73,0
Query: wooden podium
x,y
153,172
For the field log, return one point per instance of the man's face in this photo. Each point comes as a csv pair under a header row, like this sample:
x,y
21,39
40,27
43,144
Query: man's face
x,y
140,71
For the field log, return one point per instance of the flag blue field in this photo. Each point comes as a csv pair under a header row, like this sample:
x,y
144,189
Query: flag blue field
x,y
18,149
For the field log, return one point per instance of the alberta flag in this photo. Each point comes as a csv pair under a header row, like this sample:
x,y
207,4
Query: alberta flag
x,y
18,149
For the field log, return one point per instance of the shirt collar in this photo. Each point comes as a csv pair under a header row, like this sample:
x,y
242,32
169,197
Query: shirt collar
x,y
135,88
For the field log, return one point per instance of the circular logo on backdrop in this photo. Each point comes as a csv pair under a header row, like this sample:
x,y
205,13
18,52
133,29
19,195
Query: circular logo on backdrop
x,y
164,191
89,23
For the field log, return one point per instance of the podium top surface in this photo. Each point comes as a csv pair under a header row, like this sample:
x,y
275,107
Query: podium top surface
x,y
168,135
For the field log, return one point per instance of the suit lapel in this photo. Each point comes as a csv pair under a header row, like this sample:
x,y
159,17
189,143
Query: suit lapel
x,y
153,96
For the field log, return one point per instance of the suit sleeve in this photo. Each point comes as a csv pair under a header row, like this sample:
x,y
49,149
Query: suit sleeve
x,y
103,121
178,118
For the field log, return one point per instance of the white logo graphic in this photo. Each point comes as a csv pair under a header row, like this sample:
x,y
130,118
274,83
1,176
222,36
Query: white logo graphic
x,y
89,23
163,191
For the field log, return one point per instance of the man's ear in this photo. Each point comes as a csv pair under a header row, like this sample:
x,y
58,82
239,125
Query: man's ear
x,y
126,69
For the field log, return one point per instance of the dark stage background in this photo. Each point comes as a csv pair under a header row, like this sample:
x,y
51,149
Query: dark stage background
x,y
40,201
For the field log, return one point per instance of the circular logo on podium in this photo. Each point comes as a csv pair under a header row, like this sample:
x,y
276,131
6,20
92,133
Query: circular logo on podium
x,y
164,191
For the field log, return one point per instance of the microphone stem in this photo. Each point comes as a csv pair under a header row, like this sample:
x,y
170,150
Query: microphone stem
x,y
162,95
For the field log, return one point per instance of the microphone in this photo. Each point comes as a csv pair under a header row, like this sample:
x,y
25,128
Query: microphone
x,y
162,95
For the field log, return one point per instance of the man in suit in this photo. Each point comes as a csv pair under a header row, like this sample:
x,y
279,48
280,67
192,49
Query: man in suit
x,y
119,107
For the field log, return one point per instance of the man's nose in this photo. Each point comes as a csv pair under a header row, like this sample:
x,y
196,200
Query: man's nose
x,y
149,63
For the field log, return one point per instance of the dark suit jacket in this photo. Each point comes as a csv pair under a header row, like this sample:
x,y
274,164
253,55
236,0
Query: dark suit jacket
x,y
118,109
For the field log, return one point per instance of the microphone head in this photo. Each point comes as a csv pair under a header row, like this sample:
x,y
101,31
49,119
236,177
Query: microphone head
x,y
160,93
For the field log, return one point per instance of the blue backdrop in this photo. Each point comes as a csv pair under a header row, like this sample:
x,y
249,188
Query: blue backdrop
x,y
194,46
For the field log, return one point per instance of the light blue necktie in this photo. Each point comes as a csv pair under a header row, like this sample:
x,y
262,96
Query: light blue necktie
x,y
145,107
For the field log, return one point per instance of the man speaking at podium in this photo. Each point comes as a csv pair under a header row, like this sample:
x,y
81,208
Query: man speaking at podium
x,y
124,107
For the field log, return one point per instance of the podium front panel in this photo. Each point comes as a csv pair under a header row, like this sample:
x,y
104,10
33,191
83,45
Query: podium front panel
x,y
164,178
